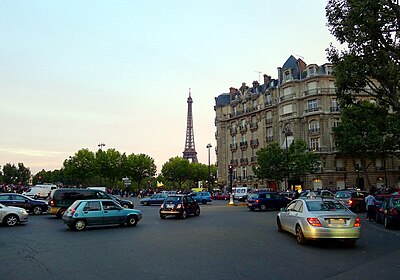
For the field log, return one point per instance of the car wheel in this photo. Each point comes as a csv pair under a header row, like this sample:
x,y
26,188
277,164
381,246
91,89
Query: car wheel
x,y
204,201
60,213
300,236
386,222
184,215
278,223
11,220
350,242
132,221
80,225
263,207
37,210
197,211
162,216
146,203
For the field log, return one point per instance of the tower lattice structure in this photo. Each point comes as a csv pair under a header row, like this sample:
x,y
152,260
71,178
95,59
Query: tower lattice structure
x,y
190,150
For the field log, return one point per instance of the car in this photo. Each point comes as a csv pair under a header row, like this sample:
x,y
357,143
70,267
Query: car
x,y
34,206
264,200
221,196
352,199
202,197
123,202
389,212
83,213
320,193
155,199
179,205
11,216
318,218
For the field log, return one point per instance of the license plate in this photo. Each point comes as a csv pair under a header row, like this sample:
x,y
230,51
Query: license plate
x,y
170,205
336,221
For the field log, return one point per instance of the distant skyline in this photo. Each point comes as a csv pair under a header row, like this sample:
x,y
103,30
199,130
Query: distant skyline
x,y
74,74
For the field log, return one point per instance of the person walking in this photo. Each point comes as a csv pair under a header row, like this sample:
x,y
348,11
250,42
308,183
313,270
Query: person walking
x,y
370,202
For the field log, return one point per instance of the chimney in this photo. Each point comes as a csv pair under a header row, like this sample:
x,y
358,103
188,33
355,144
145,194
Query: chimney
x,y
266,79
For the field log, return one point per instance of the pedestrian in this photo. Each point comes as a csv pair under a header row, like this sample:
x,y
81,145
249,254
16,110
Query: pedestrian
x,y
370,202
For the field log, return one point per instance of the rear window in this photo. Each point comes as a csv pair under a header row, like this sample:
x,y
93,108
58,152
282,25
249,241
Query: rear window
x,y
324,206
173,199
342,195
75,205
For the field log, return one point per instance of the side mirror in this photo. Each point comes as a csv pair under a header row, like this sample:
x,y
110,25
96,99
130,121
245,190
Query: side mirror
x,y
283,209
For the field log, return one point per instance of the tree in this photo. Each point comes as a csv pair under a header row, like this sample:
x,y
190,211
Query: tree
x,y
371,62
139,167
10,173
177,169
109,164
23,174
271,163
80,167
301,160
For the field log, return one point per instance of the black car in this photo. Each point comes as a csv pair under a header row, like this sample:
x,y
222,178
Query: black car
x,y
389,212
264,200
123,202
36,207
180,205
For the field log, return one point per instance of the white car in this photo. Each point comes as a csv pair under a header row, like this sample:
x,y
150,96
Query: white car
x,y
318,218
11,216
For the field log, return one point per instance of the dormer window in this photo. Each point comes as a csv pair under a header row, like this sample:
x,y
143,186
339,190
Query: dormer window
x,y
287,75
311,71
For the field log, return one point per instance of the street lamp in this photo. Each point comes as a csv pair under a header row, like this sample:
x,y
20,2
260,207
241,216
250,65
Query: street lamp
x,y
209,170
357,169
287,132
101,145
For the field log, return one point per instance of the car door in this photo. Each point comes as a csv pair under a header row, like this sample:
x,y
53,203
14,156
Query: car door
x,y
6,200
20,201
92,212
292,215
112,212
189,204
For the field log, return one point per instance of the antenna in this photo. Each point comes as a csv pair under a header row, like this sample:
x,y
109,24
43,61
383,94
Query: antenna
x,y
301,57
259,75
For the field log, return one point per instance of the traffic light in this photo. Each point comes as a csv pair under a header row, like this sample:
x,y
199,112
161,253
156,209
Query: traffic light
x,y
230,169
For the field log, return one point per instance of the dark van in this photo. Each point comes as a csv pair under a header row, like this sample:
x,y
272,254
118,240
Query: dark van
x,y
61,199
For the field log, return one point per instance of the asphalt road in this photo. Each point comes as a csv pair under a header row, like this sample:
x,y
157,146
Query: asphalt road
x,y
222,243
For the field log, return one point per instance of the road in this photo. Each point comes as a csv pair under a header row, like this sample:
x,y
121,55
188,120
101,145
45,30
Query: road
x,y
222,243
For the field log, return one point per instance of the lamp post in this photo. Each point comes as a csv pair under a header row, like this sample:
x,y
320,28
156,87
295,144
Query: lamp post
x,y
357,169
101,145
209,170
287,132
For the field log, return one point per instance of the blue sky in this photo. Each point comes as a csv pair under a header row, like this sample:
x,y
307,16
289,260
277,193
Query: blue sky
x,y
74,74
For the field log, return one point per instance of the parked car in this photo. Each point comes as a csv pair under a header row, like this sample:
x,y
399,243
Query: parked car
x,y
264,200
11,216
221,196
40,191
202,197
36,207
320,193
389,212
352,199
123,202
317,218
61,199
155,199
90,212
180,205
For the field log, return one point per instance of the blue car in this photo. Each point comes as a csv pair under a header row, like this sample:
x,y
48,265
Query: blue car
x,y
201,197
264,200
84,213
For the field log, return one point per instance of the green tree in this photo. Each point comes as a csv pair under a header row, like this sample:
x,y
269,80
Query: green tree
x,y
109,164
10,173
80,167
271,163
139,167
302,161
24,173
370,63
178,170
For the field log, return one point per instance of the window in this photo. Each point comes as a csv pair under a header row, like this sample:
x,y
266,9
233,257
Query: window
x,y
255,103
313,126
5,197
233,140
270,132
329,70
92,206
287,109
243,138
336,122
311,71
287,75
234,110
312,85
314,144
110,205
245,107
287,91
298,207
244,173
312,104
268,99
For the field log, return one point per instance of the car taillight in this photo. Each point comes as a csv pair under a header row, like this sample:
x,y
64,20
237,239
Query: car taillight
x,y
257,201
314,222
393,212
357,223
51,202
349,202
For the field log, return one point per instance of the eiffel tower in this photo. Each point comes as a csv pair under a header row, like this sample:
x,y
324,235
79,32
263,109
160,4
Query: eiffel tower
x,y
190,150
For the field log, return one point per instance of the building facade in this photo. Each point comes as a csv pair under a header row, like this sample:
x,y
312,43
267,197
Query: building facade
x,y
300,104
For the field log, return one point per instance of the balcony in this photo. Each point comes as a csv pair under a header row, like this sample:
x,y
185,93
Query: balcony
x,y
233,147
243,145
244,161
234,162
253,126
254,143
313,109
315,130
268,121
335,109
253,159
287,97
269,139
243,129
233,131
341,168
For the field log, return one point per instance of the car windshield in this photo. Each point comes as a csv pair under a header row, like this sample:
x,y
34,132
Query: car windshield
x,y
324,206
253,196
342,195
173,199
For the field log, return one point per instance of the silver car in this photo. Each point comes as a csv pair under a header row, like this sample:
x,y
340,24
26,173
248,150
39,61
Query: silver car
x,y
10,215
317,218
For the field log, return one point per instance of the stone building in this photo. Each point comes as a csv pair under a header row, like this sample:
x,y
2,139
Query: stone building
x,y
300,103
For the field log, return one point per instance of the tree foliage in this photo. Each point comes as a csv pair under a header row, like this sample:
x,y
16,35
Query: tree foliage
x,y
139,167
16,175
370,63
178,170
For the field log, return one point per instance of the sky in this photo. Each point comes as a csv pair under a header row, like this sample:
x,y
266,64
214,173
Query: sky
x,y
74,74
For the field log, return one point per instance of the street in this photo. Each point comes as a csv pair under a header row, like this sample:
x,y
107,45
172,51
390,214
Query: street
x,y
222,243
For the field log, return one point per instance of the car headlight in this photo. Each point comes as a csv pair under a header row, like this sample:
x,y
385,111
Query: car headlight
x,y
23,211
